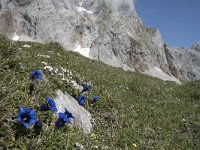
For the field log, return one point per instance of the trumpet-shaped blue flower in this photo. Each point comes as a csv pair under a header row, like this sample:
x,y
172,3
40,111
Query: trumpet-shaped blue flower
x,y
95,99
81,100
26,116
51,105
86,88
44,107
37,74
69,115
62,120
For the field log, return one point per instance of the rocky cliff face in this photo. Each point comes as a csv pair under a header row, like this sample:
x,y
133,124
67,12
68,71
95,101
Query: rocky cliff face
x,y
196,46
186,63
111,31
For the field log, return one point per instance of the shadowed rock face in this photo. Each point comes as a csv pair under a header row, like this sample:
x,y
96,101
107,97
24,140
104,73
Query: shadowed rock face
x,y
110,28
187,62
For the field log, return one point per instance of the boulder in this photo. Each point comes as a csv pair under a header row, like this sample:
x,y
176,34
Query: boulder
x,y
82,117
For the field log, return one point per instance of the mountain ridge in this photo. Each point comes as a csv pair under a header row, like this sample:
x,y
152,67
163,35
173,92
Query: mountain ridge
x,y
111,31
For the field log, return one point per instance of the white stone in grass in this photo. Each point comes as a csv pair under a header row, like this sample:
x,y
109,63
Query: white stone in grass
x,y
82,116
26,46
45,56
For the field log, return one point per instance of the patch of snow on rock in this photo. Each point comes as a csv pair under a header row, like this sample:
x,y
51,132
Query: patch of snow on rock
x,y
158,73
82,116
15,37
80,9
83,51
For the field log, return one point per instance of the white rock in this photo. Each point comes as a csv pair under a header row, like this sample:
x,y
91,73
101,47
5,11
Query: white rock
x,y
82,116
45,56
26,46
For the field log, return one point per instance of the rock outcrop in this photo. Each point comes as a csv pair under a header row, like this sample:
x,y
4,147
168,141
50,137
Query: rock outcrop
x,y
110,30
196,46
186,63
82,117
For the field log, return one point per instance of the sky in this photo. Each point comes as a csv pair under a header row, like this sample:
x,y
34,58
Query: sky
x,y
177,20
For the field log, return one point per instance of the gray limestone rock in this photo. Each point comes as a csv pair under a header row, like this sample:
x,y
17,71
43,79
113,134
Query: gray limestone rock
x,y
196,46
82,117
187,62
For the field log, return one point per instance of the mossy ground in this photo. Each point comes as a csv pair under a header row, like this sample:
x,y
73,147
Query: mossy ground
x,y
133,109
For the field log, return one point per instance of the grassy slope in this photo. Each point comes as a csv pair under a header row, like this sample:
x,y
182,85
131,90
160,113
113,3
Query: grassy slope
x,y
134,108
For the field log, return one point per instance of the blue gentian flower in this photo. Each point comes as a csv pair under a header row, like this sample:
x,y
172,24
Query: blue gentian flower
x,y
86,88
51,105
81,100
69,115
95,99
44,107
37,74
62,120
26,116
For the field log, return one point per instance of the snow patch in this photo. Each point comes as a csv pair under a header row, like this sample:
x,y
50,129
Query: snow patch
x,y
158,73
80,9
15,37
83,51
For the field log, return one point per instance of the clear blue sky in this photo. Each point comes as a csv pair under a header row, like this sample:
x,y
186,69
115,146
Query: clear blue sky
x,y
177,20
